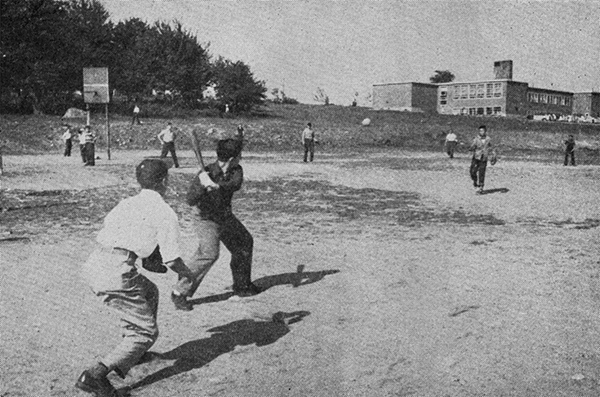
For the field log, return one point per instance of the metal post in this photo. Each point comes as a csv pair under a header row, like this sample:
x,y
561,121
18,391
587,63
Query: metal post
x,y
107,133
87,108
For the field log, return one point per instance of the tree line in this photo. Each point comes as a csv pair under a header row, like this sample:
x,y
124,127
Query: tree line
x,y
45,44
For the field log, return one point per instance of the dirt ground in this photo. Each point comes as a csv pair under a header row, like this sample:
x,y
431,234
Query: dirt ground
x,y
385,275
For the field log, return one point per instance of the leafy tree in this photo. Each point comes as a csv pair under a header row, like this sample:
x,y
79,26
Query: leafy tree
x,y
442,76
280,97
235,86
46,43
321,96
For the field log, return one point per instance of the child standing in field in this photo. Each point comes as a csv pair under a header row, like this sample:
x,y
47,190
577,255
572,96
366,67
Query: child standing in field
x,y
481,148
308,140
451,142
67,137
570,150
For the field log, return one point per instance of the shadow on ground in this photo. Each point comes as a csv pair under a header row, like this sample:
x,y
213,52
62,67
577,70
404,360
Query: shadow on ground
x,y
297,279
225,338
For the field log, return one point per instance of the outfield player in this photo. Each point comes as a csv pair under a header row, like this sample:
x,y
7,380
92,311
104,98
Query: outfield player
x,y
211,192
481,148
133,229
308,140
570,150
167,138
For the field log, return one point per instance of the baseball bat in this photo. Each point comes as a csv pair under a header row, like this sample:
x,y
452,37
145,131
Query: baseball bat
x,y
196,148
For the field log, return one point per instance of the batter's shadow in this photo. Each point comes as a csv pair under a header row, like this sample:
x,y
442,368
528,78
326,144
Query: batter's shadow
x,y
225,338
297,279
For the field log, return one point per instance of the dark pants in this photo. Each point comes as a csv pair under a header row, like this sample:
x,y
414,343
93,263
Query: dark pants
x,y
135,119
169,147
82,151
478,172
68,146
90,153
309,147
572,154
450,146
236,238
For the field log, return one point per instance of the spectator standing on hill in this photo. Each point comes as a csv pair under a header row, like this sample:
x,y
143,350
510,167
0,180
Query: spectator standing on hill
x,y
308,140
67,137
482,149
451,142
167,138
131,230
570,150
136,115
211,192
89,139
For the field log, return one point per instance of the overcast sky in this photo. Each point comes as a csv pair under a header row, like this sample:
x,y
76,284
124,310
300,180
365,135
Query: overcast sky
x,y
346,46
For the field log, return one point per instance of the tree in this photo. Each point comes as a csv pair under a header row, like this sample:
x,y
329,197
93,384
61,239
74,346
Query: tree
x,y
46,43
442,76
321,96
235,86
281,98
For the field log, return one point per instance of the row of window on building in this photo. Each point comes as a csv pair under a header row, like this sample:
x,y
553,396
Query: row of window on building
x,y
496,110
538,97
473,91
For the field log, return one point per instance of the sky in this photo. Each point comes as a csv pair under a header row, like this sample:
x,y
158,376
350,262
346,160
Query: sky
x,y
345,46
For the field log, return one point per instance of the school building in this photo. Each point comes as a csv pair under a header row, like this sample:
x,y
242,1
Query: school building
x,y
501,96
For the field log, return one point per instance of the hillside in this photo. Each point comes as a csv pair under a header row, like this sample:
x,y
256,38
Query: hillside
x,y
278,128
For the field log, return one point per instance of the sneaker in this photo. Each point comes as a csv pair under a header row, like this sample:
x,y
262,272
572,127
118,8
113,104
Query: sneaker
x,y
101,387
480,191
249,290
181,302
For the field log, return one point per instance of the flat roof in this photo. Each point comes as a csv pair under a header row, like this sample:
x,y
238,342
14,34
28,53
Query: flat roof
x,y
408,82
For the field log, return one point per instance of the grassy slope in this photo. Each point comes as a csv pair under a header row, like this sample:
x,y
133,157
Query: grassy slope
x,y
339,128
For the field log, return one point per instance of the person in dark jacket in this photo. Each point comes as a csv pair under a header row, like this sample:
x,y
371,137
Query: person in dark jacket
x,y
570,150
211,192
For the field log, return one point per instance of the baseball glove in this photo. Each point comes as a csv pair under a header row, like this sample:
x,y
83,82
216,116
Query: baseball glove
x,y
154,263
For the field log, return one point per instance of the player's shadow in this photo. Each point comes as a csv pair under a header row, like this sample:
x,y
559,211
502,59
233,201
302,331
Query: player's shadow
x,y
297,279
491,191
225,338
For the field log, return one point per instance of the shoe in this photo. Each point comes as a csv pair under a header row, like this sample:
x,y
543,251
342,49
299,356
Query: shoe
x,y
181,302
480,191
101,387
249,290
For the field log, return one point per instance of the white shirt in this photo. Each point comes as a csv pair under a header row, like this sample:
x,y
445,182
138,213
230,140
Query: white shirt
x,y
166,135
141,222
451,137
308,133
136,110
67,135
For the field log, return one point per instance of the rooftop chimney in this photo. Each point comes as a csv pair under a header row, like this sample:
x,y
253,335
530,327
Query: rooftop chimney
x,y
503,70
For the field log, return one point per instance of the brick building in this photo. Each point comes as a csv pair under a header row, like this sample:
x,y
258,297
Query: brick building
x,y
412,97
501,96
587,103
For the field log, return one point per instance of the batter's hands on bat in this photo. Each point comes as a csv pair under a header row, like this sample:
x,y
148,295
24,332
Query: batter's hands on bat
x,y
206,181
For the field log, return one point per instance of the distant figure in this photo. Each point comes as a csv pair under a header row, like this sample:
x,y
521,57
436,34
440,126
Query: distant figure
x,y
308,140
136,115
89,139
167,138
81,144
451,142
570,150
67,136
226,108
481,148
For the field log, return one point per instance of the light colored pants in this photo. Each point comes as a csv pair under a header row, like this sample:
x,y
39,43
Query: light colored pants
x,y
133,296
235,237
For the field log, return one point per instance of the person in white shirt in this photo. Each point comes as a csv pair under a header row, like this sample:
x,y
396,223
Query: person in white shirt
x,y
167,138
131,230
136,115
67,136
89,139
451,142
308,140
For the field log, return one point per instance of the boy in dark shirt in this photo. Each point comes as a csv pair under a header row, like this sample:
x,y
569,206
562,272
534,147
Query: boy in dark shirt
x,y
570,150
211,192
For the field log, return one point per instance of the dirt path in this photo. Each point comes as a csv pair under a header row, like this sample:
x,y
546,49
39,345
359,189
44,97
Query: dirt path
x,y
386,274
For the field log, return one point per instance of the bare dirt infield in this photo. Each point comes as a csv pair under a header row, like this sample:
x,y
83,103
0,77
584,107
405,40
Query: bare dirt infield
x,y
385,275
